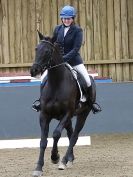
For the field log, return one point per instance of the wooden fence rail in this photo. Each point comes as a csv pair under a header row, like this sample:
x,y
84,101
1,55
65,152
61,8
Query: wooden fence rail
x,y
107,27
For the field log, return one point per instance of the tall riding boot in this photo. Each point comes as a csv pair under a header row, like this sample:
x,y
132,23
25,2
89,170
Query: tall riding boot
x,y
36,106
91,99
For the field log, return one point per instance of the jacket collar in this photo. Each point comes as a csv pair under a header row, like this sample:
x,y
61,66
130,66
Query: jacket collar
x,y
72,27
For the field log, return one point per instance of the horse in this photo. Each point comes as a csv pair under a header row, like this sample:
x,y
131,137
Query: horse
x,y
59,100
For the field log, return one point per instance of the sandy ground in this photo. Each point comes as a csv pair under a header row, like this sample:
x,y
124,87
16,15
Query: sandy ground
x,y
108,156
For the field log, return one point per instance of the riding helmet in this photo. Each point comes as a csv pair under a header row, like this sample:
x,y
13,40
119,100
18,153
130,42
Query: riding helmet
x,y
67,12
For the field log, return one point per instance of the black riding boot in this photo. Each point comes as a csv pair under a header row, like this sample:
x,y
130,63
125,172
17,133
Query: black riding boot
x,y
91,99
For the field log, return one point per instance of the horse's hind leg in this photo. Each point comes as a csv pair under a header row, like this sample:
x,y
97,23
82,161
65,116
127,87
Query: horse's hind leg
x,y
69,134
81,118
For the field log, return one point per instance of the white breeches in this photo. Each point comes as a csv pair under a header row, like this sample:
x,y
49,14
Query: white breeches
x,y
80,68
83,71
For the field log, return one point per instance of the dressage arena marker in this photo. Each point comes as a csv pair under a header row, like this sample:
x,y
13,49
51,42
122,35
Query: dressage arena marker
x,y
34,143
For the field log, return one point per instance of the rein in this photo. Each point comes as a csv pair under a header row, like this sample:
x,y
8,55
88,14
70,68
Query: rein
x,y
55,66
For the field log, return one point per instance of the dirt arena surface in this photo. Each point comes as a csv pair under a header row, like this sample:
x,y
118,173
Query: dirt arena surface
x,y
108,156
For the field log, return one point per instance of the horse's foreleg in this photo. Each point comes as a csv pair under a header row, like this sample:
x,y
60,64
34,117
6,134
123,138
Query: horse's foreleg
x,y
56,136
44,124
81,118
55,157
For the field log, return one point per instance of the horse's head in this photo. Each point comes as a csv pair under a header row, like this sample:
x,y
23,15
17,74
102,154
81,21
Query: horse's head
x,y
43,54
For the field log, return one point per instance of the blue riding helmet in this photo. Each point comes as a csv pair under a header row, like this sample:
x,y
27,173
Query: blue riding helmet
x,y
67,12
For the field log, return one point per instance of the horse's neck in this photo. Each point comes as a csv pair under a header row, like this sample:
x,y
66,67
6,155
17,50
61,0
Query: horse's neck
x,y
56,75
57,57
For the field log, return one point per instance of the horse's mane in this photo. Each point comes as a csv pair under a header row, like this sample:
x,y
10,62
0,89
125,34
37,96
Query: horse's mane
x,y
58,52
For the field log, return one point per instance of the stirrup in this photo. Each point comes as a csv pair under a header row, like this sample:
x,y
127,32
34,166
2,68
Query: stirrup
x,y
96,108
36,106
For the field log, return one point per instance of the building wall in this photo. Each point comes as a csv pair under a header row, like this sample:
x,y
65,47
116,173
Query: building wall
x,y
107,25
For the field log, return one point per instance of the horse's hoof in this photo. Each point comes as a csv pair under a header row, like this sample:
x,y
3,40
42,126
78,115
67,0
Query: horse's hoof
x,y
69,164
61,166
37,173
56,161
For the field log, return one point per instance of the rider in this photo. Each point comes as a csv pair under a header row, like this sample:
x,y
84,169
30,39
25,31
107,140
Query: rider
x,y
70,38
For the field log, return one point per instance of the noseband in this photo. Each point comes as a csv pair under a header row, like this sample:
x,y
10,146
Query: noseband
x,y
42,68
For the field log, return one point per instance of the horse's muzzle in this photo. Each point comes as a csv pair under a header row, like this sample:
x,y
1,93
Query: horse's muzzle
x,y
35,71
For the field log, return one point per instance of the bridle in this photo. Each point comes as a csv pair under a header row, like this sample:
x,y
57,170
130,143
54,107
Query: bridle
x,y
47,65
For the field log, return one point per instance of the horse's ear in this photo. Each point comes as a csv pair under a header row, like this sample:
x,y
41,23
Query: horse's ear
x,y
41,37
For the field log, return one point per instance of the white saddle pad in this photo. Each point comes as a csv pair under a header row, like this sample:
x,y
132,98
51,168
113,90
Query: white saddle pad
x,y
82,97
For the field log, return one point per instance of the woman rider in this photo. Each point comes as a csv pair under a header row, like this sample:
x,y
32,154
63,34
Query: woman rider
x,y
70,37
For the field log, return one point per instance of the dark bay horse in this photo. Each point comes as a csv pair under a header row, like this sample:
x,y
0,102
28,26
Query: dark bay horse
x,y
59,100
